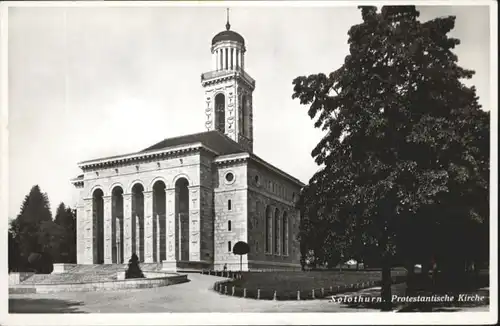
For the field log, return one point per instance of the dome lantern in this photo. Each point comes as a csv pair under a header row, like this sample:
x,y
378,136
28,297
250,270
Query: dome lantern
x,y
228,34
228,49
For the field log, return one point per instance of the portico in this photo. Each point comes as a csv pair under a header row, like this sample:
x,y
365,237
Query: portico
x,y
156,216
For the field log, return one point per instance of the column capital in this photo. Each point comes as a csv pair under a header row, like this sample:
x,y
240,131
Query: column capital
x,y
147,193
127,196
106,198
167,190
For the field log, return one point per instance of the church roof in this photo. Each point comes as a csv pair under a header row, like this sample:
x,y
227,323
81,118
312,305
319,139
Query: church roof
x,y
212,139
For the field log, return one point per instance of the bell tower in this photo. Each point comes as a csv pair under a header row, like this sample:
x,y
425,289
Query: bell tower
x,y
228,89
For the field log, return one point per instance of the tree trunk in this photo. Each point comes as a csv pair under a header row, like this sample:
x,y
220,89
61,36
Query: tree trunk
x,y
410,279
386,293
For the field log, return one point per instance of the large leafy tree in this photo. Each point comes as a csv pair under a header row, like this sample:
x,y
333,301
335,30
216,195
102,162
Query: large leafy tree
x,y
405,156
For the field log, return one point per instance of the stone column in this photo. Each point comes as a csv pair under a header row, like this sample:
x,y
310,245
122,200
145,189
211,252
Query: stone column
x,y
237,59
194,223
80,233
158,235
148,226
214,61
217,55
170,263
118,227
242,60
108,231
127,227
224,55
138,237
88,234
221,59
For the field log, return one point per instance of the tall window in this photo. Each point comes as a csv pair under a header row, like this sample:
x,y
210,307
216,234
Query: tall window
x,y
229,248
269,229
277,232
258,213
229,225
220,112
285,233
229,205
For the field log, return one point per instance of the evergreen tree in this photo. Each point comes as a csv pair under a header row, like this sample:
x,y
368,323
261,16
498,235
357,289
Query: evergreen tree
x,y
35,210
60,217
405,158
66,219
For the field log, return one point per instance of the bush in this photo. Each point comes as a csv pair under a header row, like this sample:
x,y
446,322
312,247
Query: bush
x,y
40,263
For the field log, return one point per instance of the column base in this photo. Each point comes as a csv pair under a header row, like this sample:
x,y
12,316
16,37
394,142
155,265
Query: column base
x,y
185,266
62,268
169,266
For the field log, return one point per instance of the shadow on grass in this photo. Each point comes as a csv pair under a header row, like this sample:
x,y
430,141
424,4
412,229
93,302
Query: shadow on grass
x,y
37,306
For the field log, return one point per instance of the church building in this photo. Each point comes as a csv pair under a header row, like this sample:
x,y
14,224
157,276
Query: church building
x,y
185,201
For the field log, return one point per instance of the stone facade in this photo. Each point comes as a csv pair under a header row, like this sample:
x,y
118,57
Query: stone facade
x,y
226,203
186,201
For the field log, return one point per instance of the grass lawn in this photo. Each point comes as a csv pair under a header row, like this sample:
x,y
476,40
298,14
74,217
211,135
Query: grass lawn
x,y
286,284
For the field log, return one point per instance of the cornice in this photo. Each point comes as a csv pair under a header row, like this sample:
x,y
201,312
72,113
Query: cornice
x,y
276,170
144,156
77,182
232,159
227,77
244,157
226,44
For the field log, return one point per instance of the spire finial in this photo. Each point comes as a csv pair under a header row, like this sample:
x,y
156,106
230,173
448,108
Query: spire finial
x,y
228,26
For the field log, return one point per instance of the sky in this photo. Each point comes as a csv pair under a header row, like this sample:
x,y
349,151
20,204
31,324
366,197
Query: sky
x,y
92,82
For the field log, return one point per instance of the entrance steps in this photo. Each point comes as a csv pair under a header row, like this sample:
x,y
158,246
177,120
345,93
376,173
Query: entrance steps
x,y
87,273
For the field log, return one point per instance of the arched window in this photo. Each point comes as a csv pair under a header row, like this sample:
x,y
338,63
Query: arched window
x,y
220,112
269,229
229,225
285,234
277,232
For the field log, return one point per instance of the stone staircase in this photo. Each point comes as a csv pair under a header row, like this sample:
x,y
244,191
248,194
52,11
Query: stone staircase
x,y
87,274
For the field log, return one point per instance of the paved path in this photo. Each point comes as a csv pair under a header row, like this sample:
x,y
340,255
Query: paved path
x,y
194,296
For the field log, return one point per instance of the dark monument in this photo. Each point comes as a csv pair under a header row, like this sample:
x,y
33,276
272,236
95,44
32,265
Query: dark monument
x,y
133,270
